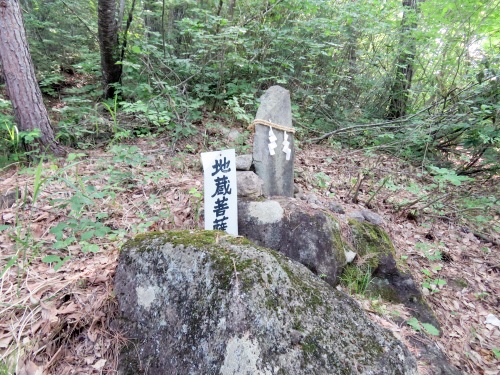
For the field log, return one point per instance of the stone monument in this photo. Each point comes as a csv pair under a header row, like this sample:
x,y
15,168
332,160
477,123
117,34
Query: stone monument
x,y
273,148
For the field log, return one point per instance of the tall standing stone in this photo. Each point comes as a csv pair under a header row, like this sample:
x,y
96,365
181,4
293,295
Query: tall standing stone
x,y
275,170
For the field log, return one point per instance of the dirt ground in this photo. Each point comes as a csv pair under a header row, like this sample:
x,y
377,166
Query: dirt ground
x,y
55,313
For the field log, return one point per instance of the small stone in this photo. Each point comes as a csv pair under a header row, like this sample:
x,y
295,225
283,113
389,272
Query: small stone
x,y
300,196
349,256
312,198
356,215
249,184
223,130
372,217
335,207
493,320
233,135
7,199
296,337
244,162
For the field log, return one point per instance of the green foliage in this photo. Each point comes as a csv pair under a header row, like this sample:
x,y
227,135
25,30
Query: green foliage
x,y
448,175
113,111
356,279
322,180
427,327
188,61
13,143
336,58
85,225
431,282
430,252
238,107
50,83
58,262
496,352
5,368
12,261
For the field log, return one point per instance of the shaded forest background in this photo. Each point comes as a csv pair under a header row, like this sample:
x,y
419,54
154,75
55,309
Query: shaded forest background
x,y
418,79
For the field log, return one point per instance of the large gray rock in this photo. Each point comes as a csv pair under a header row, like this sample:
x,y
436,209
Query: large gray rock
x,y
208,303
275,170
298,230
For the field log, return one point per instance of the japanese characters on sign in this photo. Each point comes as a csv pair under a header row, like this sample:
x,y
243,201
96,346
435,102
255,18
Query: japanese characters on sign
x,y
221,205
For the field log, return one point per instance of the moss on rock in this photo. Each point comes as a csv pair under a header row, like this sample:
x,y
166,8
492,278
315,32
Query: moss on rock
x,y
212,293
371,242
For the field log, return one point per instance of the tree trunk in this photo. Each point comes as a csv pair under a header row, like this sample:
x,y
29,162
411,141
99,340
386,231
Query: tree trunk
x,y
400,90
230,12
109,46
22,87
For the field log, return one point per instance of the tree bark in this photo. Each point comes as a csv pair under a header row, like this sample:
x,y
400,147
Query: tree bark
x,y
400,90
22,87
109,45
230,12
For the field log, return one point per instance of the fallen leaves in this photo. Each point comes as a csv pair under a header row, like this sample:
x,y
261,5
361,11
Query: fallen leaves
x,y
58,322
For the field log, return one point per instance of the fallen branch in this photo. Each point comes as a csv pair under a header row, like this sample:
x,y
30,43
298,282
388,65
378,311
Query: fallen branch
x,y
385,124
485,238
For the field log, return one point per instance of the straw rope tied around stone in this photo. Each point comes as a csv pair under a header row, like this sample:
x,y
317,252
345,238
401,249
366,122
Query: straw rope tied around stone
x,y
273,125
272,138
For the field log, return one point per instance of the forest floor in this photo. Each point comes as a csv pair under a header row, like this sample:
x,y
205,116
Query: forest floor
x,y
55,312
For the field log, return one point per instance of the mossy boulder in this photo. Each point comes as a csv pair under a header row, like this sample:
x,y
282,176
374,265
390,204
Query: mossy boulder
x,y
207,303
377,256
371,243
298,230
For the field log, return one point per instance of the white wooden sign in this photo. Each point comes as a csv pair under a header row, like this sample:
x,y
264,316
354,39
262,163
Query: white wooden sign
x,y
220,194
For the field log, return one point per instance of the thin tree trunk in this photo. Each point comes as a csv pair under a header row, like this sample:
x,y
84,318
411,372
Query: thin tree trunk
x,y
400,90
219,7
232,4
109,46
22,87
352,57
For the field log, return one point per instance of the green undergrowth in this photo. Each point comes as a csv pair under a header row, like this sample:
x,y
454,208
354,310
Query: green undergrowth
x,y
356,278
85,201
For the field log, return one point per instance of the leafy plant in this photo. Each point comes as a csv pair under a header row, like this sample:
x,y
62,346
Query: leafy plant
x,y
496,352
113,111
198,200
322,180
418,326
432,283
57,261
237,105
430,252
